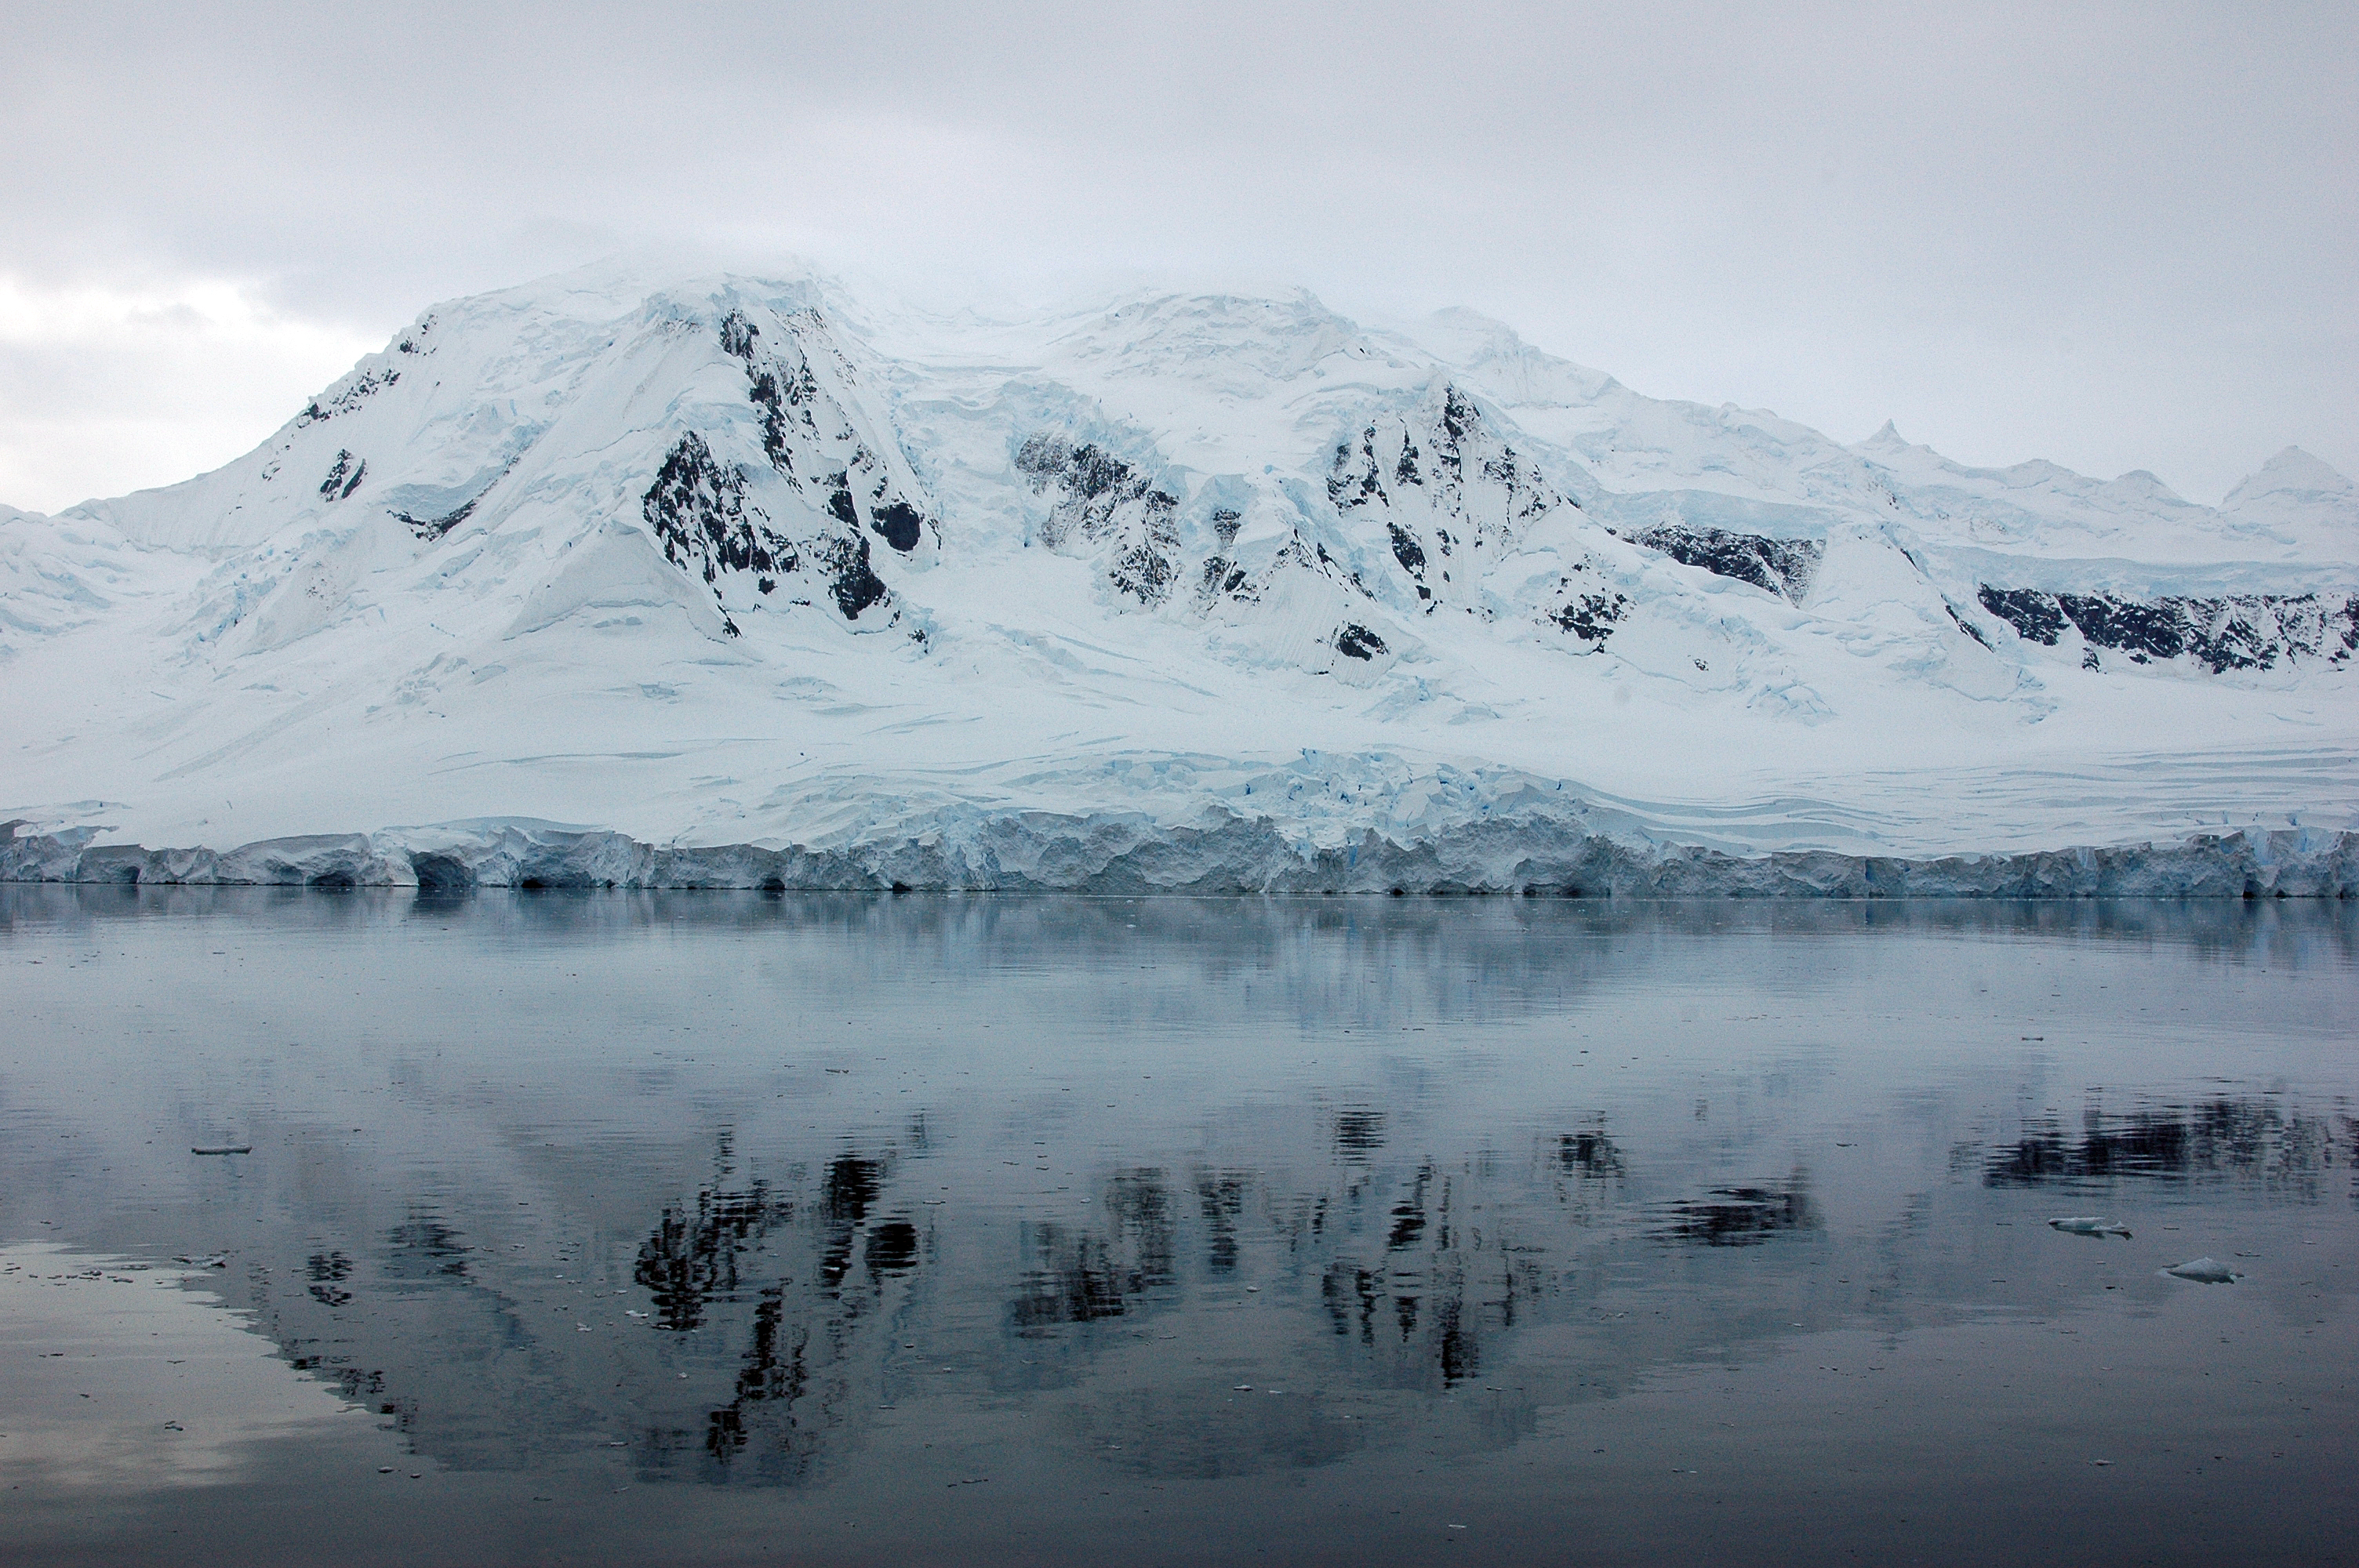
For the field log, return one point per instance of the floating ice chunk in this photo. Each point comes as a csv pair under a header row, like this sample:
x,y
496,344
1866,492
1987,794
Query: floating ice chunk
x,y
2090,1224
2204,1271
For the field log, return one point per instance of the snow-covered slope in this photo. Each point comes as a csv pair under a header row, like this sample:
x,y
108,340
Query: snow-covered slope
x,y
736,562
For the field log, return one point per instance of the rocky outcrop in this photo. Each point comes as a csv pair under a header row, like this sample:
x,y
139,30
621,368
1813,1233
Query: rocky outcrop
x,y
1111,508
1783,566
2233,632
1448,492
812,439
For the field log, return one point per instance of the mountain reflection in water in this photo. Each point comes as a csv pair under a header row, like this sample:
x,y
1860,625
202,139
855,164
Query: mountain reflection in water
x,y
2252,1138
737,1190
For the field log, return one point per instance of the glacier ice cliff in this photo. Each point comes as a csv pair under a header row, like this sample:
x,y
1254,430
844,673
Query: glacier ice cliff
x,y
1223,853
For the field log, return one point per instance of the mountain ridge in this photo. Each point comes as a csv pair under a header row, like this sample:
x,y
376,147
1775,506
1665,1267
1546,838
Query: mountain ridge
x,y
680,560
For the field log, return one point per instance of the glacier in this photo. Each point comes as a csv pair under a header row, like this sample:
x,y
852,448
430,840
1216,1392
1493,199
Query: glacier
x,y
735,581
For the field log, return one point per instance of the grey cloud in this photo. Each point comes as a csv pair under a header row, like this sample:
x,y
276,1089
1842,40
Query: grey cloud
x,y
2117,237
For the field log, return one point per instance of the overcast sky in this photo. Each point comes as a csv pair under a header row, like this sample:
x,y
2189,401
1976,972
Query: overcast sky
x,y
2115,236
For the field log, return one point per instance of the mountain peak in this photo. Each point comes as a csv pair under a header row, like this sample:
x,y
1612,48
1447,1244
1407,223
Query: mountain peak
x,y
2291,472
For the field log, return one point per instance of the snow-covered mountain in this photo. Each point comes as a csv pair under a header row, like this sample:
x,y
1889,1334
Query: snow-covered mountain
x,y
746,580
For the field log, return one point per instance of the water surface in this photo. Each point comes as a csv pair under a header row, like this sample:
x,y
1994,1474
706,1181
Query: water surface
x,y
713,1228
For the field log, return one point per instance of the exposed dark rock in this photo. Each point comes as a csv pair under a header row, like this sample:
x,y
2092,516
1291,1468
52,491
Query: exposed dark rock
x,y
2233,632
1454,486
1968,627
1357,642
698,511
697,508
1783,566
1111,505
781,385
849,578
343,476
2033,614
433,528
1589,614
738,335
900,524
1222,575
356,390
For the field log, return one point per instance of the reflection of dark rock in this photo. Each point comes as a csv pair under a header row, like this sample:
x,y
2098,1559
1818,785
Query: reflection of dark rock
x,y
2223,1136
1416,1313
773,1371
1359,1133
1738,1216
1409,1214
1590,1153
691,1259
1076,1283
853,1184
794,1376
892,1248
1138,1204
1221,1198
326,1270
1081,1278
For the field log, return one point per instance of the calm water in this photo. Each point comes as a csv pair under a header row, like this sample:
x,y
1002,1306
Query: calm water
x,y
705,1227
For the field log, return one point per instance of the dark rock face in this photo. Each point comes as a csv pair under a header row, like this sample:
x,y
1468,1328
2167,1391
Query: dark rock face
x,y
804,430
2033,614
698,511
851,581
344,476
433,528
347,395
1357,642
1783,566
703,512
419,339
1444,487
1589,613
900,524
2233,632
1108,503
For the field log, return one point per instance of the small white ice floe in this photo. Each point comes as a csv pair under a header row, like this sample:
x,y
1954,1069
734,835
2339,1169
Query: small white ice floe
x,y
2204,1271
2090,1224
